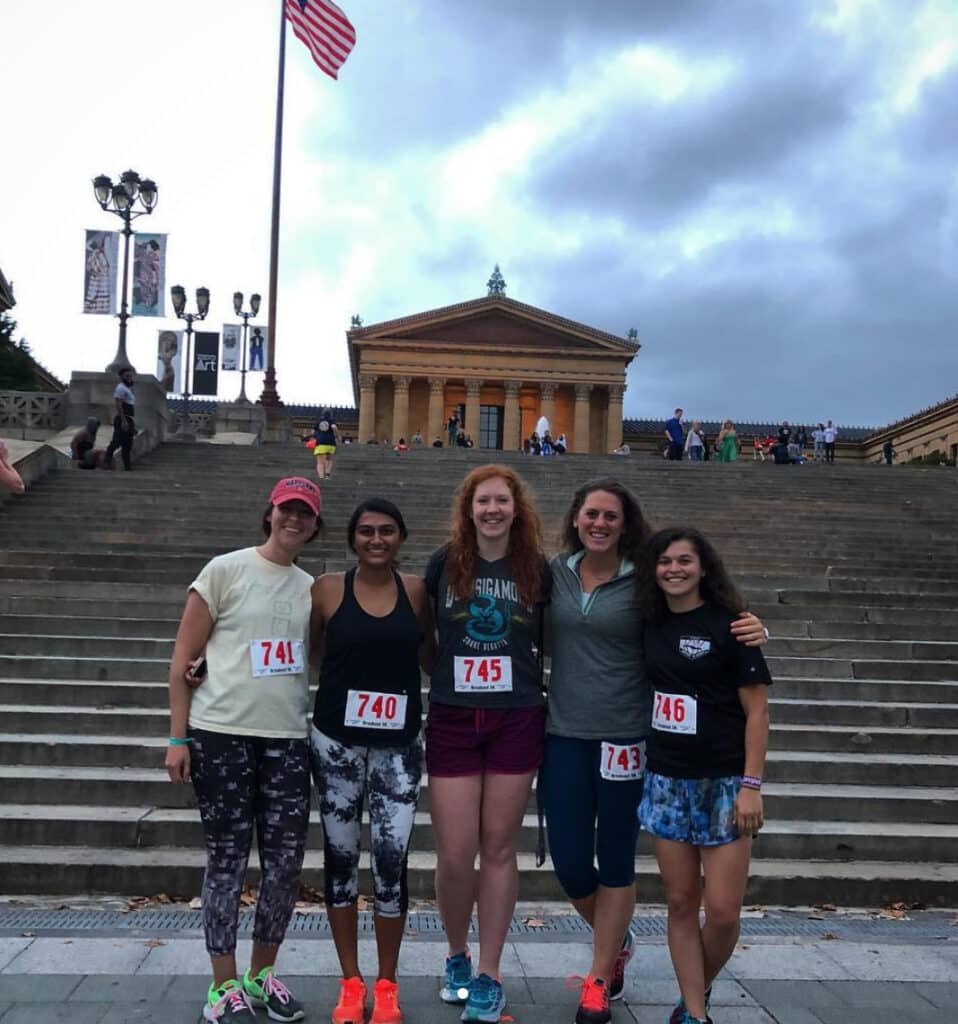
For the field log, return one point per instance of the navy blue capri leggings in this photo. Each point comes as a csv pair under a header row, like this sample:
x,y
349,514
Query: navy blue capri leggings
x,y
590,820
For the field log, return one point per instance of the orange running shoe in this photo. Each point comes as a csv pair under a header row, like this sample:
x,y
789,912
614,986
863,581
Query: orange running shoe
x,y
386,1003
351,1008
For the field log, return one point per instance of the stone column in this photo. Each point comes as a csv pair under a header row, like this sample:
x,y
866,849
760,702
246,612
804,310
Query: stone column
x,y
367,407
580,438
614,428
400,408
547,408
437,395
510,419
473,387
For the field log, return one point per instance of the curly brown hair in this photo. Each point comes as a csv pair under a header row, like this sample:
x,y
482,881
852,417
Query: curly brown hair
x,y
716,588
525,536
636,530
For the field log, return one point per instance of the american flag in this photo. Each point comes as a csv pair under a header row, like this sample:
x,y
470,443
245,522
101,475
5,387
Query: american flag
x,y
325,30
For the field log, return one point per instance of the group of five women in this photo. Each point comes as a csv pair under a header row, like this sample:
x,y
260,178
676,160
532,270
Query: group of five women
x,y
656,713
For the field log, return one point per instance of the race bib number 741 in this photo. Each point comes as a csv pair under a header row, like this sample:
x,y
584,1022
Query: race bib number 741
x,y
277,657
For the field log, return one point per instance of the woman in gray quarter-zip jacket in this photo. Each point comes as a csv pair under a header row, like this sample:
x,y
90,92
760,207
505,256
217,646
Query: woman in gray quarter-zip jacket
x,y
599,718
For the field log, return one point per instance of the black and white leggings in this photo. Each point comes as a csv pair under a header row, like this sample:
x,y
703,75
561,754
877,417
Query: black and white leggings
x,y
344,773
242,781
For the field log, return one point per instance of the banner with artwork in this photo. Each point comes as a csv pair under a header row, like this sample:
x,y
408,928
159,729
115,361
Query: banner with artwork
x,y
258,337
231,347
149,274
169,361
99,276
206,358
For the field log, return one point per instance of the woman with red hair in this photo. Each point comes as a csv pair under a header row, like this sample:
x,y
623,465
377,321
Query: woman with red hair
x,y
486,723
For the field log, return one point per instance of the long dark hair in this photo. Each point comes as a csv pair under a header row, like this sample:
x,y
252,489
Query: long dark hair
x,y
716,587
381,505
635,532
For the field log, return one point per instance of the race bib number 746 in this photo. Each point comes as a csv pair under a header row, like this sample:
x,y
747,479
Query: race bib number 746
x,y
277,657
675,712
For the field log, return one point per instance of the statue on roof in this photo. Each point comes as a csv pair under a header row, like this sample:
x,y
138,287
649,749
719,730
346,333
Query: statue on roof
x,y
356,321
497,283
633,335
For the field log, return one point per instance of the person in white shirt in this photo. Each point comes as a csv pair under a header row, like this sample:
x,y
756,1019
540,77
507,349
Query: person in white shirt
x,y
818,442
695,443
124,426
828,436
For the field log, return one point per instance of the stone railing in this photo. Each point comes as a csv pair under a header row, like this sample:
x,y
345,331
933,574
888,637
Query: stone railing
x,y
31,413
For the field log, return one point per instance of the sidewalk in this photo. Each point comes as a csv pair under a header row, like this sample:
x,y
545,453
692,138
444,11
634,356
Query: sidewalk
x,y
105,977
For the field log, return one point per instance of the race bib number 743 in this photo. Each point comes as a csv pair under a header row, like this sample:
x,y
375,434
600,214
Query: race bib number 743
x,y
277,657
622,763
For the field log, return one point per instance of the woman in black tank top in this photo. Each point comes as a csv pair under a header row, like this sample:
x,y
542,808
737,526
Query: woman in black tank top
x,y
372,626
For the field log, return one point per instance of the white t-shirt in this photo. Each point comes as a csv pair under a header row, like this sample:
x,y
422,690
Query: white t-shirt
x,y
829,434
124,393
253,601
818,435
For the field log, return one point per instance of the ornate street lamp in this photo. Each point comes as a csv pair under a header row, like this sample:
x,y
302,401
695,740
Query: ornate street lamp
x,y
184,431
120,199
254,301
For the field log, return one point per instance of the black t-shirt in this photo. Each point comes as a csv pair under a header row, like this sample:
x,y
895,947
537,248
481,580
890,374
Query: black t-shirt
x,y
486,655
694,655
784,435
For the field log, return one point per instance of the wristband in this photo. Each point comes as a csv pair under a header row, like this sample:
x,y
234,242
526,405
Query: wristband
x,y
751,782
176,741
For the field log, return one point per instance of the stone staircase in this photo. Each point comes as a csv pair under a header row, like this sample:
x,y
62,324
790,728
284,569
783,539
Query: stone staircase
x,y
855,570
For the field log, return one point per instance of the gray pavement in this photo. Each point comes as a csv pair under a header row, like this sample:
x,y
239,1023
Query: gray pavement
x,y
89,977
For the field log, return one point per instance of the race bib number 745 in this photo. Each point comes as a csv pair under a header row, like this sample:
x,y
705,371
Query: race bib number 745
x,y
277,657
483,675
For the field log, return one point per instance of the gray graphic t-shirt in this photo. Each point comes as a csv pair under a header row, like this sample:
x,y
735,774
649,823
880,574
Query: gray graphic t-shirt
x,y
486,656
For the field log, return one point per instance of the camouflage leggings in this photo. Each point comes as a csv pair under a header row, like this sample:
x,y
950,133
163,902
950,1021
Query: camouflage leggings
x,y
242,781
344,773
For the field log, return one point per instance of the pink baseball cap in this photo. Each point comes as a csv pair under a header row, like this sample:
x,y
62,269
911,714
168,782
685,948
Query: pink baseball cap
x,y
297,488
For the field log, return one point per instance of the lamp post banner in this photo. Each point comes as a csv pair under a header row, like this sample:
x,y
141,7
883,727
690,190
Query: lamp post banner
x,y
149,274
169,361
206,356
99,277
231,347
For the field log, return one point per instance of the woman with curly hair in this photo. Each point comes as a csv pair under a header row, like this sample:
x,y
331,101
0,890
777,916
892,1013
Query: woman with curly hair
x,y
702,801
485,727
600,709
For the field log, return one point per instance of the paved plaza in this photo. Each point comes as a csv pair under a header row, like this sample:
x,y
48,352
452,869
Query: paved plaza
x,y
842,969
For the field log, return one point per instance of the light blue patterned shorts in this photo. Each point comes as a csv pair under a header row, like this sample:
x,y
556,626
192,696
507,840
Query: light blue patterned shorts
x,y
696,811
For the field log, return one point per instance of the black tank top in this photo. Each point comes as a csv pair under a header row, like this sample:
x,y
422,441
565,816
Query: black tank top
x,y
370,656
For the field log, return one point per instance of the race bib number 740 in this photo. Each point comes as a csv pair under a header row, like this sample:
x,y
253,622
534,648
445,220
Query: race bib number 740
x,y
277,657
369,710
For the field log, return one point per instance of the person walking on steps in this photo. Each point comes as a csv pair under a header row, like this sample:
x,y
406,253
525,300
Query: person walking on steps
x,y
239,735
372,624
124,425
702,801
326,435
485,727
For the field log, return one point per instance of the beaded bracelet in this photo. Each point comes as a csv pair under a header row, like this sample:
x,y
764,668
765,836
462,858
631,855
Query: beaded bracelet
x,y
751,782
176,741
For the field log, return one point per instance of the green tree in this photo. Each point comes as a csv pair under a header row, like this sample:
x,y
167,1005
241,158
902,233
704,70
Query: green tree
x,y
16,366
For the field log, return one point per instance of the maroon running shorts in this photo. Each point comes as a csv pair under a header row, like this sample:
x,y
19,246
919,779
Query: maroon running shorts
x,y
470,741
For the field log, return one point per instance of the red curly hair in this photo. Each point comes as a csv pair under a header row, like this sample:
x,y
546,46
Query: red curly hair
x,y
525,538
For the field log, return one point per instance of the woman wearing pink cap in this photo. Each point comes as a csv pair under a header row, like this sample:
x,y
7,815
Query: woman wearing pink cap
x,y
241,737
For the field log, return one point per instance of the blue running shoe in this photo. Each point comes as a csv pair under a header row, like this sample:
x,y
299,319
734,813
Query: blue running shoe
x,y
457,978
486,1000
680,1014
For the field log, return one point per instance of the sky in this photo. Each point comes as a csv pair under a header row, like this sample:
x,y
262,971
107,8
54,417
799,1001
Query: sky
x,y
767,191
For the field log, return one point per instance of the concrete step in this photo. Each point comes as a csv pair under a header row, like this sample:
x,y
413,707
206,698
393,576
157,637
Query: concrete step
x,y
60,870
40,784
863,668
876,740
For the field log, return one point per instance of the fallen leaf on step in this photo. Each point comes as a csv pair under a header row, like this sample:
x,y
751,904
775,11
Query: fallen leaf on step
x,y
534,922
154,943
829,907
248,897
830,937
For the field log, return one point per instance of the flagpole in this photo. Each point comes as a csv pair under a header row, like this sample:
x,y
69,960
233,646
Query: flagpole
x,y
270,396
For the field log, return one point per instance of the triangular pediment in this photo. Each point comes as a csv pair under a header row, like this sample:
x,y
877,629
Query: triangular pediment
x,y
496,322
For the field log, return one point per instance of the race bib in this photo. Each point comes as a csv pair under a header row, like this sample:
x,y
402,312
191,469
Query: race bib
x,y
622,763
277,657
366,709
483,675
675,712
